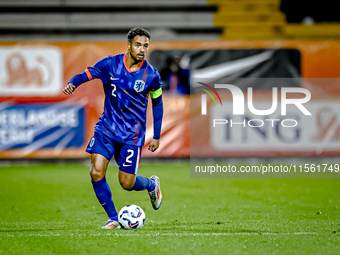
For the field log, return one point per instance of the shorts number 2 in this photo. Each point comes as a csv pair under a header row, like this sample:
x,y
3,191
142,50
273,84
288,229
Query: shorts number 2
x,y
128,157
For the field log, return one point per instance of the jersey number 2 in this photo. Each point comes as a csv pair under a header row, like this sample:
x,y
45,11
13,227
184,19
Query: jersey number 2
x,y
113,90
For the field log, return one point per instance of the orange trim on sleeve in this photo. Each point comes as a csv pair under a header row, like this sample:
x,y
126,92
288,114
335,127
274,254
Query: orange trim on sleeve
x,y
128,68
88,74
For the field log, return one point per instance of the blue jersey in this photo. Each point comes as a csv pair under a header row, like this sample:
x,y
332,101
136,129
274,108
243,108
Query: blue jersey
x,y
126,97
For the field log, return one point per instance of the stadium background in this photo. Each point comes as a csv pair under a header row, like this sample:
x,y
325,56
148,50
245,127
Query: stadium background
x,y
54,40
44,43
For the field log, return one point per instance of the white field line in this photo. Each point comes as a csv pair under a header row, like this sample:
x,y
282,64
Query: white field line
x,y
126,233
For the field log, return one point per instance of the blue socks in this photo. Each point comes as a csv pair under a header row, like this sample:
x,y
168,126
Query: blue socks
x,y
143,183
104,195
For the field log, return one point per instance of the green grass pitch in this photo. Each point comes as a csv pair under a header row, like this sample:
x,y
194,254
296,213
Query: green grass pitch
x,y
52,209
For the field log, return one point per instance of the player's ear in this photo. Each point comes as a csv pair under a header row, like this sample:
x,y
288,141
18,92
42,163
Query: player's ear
x,y
129,45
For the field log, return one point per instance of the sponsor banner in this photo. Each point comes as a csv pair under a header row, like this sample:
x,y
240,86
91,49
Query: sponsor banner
x,y
27,128
175,137
31,71
317,132
214,65
283,122
230,59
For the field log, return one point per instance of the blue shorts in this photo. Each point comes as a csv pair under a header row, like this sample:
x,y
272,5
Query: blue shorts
x,y
127,156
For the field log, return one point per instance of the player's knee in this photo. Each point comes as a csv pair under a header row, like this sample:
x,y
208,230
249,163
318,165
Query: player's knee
x,y
126,185
96,174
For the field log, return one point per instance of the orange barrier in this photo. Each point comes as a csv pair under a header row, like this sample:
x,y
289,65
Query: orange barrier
x,y
319,59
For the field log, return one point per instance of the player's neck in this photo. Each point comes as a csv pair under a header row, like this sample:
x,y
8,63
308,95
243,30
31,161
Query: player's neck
x,y
132,63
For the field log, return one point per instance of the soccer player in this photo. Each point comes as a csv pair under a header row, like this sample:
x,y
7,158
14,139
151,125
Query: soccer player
x,y
120,131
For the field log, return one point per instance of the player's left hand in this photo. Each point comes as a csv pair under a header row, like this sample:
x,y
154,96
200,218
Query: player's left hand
x,y
154,145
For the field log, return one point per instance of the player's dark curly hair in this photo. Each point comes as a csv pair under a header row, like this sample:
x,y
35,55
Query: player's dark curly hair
x,y
137,31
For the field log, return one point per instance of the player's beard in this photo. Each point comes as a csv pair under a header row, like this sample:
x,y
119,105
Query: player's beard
x,y
135,60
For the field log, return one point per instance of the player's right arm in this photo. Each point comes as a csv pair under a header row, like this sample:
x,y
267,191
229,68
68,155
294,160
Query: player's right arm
x,y
76,81
89,74
69,89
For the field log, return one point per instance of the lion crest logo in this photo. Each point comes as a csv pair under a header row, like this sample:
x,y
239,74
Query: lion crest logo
x,y
19,73
139,85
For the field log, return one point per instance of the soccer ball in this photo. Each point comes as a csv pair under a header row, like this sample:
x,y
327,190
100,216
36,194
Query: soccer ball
x,y
131,217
